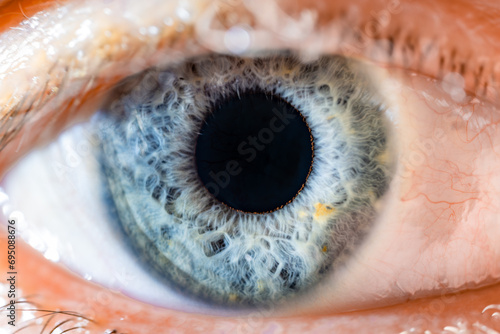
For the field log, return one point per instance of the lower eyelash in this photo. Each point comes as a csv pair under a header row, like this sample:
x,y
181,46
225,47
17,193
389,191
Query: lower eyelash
x,y
207,249
66,321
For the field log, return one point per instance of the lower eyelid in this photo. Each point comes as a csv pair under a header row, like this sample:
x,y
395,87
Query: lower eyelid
x,y
109,310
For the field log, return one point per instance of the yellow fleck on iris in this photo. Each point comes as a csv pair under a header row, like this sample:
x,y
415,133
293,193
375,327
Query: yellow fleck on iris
x,y
323,212
324,249
384,158
233,297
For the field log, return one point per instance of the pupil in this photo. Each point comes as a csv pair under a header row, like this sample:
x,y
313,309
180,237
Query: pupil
x,y
254,152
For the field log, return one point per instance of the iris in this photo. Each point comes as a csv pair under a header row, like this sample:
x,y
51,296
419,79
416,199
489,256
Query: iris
x,y
244,181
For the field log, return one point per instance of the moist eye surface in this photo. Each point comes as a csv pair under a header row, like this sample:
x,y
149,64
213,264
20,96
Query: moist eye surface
x,y
244,181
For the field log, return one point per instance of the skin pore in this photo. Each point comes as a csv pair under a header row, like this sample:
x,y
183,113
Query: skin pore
x,y
467,38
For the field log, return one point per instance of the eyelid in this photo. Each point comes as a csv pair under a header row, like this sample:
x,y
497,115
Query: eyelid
x,y
47,71
108,48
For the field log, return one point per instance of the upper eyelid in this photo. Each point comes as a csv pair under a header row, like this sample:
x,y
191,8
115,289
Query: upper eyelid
x,y
36,50
22,46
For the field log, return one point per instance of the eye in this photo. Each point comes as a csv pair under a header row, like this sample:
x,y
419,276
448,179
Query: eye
x,y
412,161
225,242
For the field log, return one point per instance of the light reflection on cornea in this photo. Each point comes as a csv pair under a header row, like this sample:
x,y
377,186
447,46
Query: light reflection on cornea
x,y
237,39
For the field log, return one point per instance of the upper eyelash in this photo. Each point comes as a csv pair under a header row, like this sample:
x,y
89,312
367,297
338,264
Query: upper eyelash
x,y
416,56
407,43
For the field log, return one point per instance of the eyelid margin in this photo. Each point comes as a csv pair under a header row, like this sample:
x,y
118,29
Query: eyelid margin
x,y
147,44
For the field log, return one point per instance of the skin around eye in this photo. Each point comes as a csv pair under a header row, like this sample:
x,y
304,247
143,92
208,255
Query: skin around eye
x,y
449,310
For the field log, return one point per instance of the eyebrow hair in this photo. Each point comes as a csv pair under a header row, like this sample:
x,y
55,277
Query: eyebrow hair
x,y
84,58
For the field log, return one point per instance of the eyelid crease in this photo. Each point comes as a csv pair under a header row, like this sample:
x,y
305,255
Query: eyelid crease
x,y
126,44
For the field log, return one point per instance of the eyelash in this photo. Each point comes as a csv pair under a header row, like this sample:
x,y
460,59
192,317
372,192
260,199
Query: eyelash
x,y
416,55
71,320
397,41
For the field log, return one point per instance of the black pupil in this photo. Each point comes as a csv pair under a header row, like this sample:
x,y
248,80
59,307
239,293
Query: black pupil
x,y
254,152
